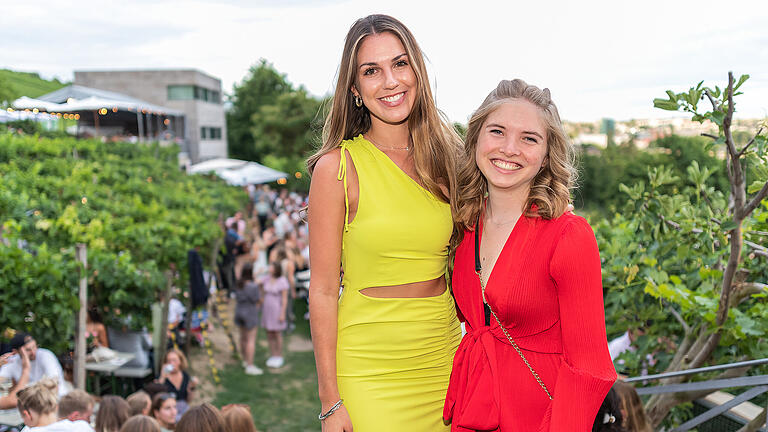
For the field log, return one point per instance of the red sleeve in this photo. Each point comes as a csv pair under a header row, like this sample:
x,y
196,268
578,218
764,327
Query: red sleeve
x,y
587,372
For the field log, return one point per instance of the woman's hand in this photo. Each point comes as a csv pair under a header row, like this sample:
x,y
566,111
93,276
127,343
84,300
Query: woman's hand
x,y
339,421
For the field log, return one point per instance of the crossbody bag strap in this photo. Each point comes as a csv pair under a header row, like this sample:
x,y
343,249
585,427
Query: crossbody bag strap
x,y
488,312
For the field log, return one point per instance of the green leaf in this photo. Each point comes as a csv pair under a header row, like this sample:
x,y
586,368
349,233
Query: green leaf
x,y
665,104
742,79
728,225
755,186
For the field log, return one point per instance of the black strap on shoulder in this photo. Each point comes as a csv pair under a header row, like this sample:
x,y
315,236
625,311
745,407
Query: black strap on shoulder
x,y
478,268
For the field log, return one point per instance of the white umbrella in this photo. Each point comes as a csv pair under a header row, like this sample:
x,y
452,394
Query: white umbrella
x,y
251,173
216,165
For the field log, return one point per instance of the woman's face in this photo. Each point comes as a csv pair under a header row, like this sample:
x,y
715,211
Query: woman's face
x,y
166,415
173,359
385,80
512,146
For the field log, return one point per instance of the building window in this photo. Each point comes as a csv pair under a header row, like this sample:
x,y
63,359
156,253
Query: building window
x,y
181,92
210,133
193,92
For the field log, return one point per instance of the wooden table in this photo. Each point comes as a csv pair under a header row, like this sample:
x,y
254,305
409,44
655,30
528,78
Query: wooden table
x,y
108,367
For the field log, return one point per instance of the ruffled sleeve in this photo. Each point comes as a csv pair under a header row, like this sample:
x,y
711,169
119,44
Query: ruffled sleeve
x,y
587,373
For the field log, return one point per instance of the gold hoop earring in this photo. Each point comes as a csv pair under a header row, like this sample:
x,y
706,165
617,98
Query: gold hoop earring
x,y
358,101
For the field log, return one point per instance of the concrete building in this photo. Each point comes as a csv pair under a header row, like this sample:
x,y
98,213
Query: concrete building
x,y
198,95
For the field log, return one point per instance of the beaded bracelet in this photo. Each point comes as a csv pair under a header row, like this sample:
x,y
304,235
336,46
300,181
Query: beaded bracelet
x,y
337,405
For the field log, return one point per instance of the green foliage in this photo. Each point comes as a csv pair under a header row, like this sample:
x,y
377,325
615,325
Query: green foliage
x,y
261,87
130,204
273,123
667,251
601,171
26,84
667,255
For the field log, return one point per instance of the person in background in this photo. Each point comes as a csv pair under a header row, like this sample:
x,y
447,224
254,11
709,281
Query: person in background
x,y
76,405
609,417
632,410
164,411
113,412
273,314
38,406
176,379
202,418
141,423
140,403
247,314
238,418
42,362
95,332
9,400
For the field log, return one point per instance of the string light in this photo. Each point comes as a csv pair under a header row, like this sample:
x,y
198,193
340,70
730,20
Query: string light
x,y
166,122
103,111
77,116
282,181
35,110
114,109
298,175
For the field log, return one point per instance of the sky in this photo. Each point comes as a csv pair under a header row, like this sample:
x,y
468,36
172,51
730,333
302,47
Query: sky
x,y
598,58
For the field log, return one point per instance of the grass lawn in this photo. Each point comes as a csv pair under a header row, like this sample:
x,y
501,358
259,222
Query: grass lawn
x,y
285,401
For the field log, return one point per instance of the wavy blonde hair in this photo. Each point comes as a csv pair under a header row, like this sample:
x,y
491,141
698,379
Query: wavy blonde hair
x,y
436,144
550,189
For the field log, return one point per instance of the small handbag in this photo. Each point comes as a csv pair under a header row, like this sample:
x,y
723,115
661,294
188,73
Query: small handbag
x,y
489,312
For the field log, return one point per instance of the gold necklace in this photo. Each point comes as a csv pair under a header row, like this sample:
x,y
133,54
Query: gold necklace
x,y
408,147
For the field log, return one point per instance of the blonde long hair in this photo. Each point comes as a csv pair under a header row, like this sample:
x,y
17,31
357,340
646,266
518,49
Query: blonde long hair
x,y
436,144
550,189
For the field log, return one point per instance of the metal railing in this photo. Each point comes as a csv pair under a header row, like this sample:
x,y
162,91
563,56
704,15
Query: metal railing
x,y
758,384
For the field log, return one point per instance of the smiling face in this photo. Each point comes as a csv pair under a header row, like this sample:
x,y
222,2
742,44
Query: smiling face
x,y
384,78
512,147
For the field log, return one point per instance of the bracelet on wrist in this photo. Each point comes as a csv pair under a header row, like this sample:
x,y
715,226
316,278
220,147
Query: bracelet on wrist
x,y
325,415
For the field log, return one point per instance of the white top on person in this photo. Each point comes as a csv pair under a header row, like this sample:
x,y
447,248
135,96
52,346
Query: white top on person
x,y
42,362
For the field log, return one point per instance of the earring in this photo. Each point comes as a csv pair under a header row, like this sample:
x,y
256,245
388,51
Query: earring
x,y
358,101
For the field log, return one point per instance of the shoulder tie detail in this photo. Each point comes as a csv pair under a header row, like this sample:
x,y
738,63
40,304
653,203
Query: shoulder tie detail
x,y
342,176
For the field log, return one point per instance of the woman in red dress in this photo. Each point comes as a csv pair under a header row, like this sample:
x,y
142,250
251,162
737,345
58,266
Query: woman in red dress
x,y
535,356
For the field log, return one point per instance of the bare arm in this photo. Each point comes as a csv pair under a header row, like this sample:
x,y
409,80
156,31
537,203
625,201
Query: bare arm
x,y
9,401
325,215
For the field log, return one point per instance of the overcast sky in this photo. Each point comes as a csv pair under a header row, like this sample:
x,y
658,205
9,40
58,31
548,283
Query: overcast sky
x,y
599,58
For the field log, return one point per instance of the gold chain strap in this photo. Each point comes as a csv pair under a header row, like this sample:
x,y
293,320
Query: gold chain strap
x,y
512,341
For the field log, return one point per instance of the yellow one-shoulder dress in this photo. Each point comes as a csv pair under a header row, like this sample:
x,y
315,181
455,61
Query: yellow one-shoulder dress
x,y
393,355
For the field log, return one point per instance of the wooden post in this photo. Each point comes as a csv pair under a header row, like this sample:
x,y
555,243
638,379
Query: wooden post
x,y
140,124
80,347
160,351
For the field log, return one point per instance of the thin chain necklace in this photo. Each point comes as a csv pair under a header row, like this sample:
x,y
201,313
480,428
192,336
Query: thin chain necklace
x,y
408,147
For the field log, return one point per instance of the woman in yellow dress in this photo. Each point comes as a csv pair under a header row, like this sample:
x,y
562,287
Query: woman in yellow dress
x,y
379,212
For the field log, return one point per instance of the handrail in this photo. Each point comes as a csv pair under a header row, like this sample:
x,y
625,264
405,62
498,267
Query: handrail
x,y
698,370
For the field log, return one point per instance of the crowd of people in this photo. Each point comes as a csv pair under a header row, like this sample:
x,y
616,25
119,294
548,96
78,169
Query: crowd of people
x,y
265,268
43,411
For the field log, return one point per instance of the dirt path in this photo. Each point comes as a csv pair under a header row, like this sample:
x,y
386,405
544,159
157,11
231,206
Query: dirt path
x,y
222,353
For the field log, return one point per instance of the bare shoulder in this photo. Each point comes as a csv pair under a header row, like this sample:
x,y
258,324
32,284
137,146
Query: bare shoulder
x,y
327,165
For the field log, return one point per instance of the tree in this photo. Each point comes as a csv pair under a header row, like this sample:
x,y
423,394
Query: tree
x,y
262,86
685,264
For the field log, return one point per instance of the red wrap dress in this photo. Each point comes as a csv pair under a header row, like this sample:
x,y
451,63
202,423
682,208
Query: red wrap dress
x,y
546,289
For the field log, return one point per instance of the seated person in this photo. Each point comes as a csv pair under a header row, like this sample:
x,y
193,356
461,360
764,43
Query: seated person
x,y
42,362
9,401
95,332
176,379
76,405
37,405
